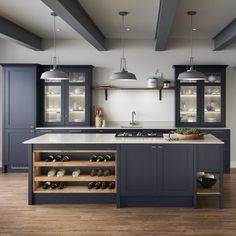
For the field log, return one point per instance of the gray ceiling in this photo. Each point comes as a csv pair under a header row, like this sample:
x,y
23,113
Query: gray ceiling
x,y
213,15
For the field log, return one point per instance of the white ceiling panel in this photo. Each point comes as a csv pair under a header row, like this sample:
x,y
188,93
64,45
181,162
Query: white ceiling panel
x,y
34,16
212,16
142,18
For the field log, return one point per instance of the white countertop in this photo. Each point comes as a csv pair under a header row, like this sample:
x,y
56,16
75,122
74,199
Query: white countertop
x,y
111,139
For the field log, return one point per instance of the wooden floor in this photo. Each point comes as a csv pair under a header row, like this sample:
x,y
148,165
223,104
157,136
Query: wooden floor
x,y
17,218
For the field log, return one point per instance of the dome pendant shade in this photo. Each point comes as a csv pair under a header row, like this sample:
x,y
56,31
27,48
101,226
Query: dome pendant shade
x,y
191,75
54,74
124,75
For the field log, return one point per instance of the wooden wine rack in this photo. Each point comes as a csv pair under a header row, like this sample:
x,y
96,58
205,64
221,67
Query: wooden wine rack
x,y
39,177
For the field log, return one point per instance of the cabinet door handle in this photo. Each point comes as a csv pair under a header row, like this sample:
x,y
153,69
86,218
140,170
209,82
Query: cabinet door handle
x,y
160,146
153,147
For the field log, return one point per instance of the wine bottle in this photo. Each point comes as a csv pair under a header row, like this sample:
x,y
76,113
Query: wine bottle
x,y
106,173
104,185
54,185
61,172
111,185
93,173
65,158
46,185
58,158
52,173
50,158
76,173
100,158
100,173
98,185
107,158
61,185
91,185
93,158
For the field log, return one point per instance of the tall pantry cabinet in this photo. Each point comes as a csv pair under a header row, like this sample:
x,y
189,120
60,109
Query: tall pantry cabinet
x,y
19,109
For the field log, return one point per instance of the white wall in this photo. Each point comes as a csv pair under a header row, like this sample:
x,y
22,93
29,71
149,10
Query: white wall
x,y
142,60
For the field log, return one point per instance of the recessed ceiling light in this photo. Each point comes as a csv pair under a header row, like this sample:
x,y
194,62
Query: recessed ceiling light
x,y
194,29
127,28
58,30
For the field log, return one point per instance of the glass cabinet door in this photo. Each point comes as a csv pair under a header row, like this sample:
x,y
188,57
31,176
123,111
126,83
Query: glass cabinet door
x,y
52,103
212,104
188,104
77,77
76,103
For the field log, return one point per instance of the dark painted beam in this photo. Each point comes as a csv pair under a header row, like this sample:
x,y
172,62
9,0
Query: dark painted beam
x,y
73,13
166,14
226,36
19,35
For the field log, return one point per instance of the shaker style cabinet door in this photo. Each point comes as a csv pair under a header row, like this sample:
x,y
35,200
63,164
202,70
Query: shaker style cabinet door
x,y
20,96
16,153
137,170
175,170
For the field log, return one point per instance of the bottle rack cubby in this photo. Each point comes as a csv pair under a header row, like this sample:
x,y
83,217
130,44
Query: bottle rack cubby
x,y
79,159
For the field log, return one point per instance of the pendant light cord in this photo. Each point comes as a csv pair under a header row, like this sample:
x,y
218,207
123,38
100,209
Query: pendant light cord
x,y
191,42
54,42
123,59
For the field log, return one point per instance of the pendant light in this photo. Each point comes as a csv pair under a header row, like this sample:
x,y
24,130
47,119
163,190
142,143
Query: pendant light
x,y
123,74
191,74
54,73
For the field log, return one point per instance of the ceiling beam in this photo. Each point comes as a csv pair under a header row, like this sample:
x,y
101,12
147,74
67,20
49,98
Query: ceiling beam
x,y
166,14
19,35
226,36
74,14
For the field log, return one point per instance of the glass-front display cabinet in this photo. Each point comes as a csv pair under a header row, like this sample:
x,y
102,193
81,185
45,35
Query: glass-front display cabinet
x,y
201,103
68,102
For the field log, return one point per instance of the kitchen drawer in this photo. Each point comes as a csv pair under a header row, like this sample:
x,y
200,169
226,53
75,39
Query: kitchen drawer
x,y
208,158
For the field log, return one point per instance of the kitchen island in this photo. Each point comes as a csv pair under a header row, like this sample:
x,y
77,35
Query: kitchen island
x,y
144,171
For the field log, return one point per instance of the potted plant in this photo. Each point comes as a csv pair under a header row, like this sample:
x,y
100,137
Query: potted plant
x,y
188,134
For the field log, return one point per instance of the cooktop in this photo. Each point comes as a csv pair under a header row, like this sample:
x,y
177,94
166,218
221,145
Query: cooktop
x,y
141,133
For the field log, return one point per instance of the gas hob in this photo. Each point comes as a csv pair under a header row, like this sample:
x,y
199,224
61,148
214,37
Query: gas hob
x,y
141,134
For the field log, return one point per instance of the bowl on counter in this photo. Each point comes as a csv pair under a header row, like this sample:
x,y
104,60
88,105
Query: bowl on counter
x,y
189,136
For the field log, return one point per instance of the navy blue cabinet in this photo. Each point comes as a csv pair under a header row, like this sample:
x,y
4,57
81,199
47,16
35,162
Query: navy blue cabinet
x,y
67,103
20,93
138,170
201,103
15,153
175,170
20,96
156,170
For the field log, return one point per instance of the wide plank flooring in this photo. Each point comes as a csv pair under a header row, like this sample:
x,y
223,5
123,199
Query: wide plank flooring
x,y
17,218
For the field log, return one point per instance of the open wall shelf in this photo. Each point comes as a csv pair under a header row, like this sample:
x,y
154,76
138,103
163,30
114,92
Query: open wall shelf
x,y
107,87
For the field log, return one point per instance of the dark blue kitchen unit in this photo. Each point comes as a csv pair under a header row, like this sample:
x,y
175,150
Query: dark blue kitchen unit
x,y
201,103
67,102
20,114
145,173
